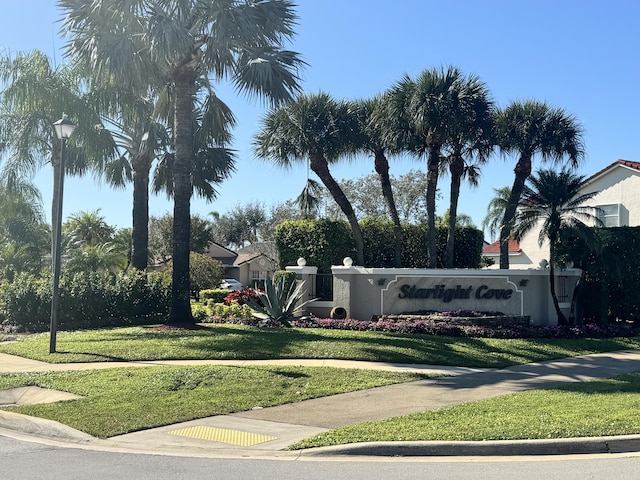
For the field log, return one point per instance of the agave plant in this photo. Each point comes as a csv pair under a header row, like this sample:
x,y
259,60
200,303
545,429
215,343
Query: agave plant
x,y
278,304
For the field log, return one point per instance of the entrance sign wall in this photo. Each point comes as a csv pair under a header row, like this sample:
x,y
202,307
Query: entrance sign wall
x,y
365,292
444,293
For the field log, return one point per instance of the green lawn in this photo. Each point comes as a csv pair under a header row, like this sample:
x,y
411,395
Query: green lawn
x,y
121,400
118,400
602,407
241,342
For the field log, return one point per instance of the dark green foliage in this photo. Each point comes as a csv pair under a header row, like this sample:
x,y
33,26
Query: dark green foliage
x,y
289,278
216,295
378,240
322,243
87,300
612,274
204,273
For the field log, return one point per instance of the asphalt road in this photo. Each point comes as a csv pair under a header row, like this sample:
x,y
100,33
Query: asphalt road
x,y
26,460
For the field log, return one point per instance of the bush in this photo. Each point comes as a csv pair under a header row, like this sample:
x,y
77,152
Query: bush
x,y
289,278
218,311
204,273
323,243
240,296
433,327
87,300
217,295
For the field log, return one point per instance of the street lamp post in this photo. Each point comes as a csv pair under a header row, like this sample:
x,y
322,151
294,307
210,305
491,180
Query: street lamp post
x,y
64,128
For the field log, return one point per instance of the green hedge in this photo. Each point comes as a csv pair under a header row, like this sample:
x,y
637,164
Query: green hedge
x,y
611,264
87,300
323,243
289,278
216,295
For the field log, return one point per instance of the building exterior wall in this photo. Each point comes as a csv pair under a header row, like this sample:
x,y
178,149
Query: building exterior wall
x,y
618,185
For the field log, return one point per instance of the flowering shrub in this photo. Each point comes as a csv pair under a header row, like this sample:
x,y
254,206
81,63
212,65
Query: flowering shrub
x,y
240,296
431,327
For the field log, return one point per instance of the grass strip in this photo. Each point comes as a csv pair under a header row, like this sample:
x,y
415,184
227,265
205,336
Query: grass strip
x,y
122,400
243,342
598,408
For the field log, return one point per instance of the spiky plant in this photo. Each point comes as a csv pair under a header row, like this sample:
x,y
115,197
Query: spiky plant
x,y
278,304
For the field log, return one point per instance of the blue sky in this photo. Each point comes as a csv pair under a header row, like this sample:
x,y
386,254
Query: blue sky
x,y
578,55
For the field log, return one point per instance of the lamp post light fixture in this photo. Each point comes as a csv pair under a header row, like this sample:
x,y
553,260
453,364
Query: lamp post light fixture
x,y
64,128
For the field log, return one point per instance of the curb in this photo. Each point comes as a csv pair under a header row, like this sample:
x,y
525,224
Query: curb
x,y
41,427
567,446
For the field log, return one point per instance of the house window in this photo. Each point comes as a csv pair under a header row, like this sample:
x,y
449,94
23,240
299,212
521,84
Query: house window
x,y
257,278
609,215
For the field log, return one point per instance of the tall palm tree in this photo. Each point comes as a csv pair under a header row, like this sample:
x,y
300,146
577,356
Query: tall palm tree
x,y
495,211
319,129
553,202
423,111
34,96
139,140
179,43
527,129
470,136
372,121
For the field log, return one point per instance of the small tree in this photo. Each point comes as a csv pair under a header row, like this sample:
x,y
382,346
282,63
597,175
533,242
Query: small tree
x,y
204,273
553,201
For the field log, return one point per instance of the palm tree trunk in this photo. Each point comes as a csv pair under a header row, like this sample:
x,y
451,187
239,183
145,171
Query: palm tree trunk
x,y
140,231
320,167
562,320
456,167
433,163
180,290
382,169
522,171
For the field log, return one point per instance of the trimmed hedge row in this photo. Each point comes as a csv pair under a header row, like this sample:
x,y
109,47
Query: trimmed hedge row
x,y
323,243
87,300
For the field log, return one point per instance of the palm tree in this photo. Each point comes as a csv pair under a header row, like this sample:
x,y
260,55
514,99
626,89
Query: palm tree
x,y
139,140
319,129
179,43
495,211
371,123
309,199
470,136
35,95
88,228
23,232
526,129
555,200
423,113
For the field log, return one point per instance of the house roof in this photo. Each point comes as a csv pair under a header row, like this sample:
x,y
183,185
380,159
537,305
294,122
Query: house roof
x,y
618,163
494,248
249,257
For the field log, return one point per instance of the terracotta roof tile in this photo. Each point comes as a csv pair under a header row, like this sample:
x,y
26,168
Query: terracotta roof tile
x,y
624,163
514,247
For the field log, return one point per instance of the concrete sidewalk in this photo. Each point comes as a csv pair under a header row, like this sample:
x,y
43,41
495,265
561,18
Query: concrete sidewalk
x,y
266,431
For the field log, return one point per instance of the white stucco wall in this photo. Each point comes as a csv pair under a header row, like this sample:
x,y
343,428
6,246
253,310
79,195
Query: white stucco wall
x,y
619,185
364,292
